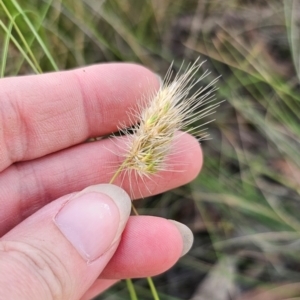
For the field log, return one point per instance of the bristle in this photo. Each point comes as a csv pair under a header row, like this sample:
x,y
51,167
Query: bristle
x,y
170,110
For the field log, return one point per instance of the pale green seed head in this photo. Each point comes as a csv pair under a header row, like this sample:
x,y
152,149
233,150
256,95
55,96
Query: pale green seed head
x,y
170,110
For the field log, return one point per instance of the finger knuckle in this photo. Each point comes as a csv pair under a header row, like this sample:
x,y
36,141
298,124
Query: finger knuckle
x,y
38,267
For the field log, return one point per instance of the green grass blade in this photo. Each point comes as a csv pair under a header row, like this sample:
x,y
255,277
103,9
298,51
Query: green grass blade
x,y
37,66
152,288
31,39
291,18
131,290
37,36
5,49
16,43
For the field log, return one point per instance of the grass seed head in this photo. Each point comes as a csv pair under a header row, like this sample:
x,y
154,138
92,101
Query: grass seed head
x,y
171,109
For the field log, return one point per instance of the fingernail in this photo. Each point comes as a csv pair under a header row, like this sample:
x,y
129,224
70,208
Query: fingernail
x,y
159,79
94,219
186,234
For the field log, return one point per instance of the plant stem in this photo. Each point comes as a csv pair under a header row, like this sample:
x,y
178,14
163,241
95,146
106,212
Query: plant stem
x,y
134,209
120,169
153,288
129,283
131,289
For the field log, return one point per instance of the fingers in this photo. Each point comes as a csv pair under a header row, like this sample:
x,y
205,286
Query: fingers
x,y
41,114
60,251
99,286
26,187
149,246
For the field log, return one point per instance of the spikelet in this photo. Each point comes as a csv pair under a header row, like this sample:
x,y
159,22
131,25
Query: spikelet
x,y
171,109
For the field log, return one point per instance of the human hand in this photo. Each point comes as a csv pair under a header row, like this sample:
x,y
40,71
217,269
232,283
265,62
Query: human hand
x,y
54,245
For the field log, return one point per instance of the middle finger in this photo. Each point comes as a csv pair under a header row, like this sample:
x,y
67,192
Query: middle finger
x,y
27,186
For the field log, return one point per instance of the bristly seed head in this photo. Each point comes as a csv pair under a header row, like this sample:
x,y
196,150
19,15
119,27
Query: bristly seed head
x,y
173,108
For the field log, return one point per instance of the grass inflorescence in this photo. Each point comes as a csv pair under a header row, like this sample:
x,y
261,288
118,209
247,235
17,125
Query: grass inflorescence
x,y
245,203
173,108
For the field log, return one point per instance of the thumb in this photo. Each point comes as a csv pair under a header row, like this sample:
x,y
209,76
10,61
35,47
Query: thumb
x,y
59,252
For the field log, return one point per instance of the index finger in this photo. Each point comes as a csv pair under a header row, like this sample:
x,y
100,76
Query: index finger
x,y
41,114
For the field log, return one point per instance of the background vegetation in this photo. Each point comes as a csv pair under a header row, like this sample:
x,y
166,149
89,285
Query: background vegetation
x,y
244,207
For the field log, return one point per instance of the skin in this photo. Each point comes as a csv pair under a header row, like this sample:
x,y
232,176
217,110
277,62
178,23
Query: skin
x,y
45,121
